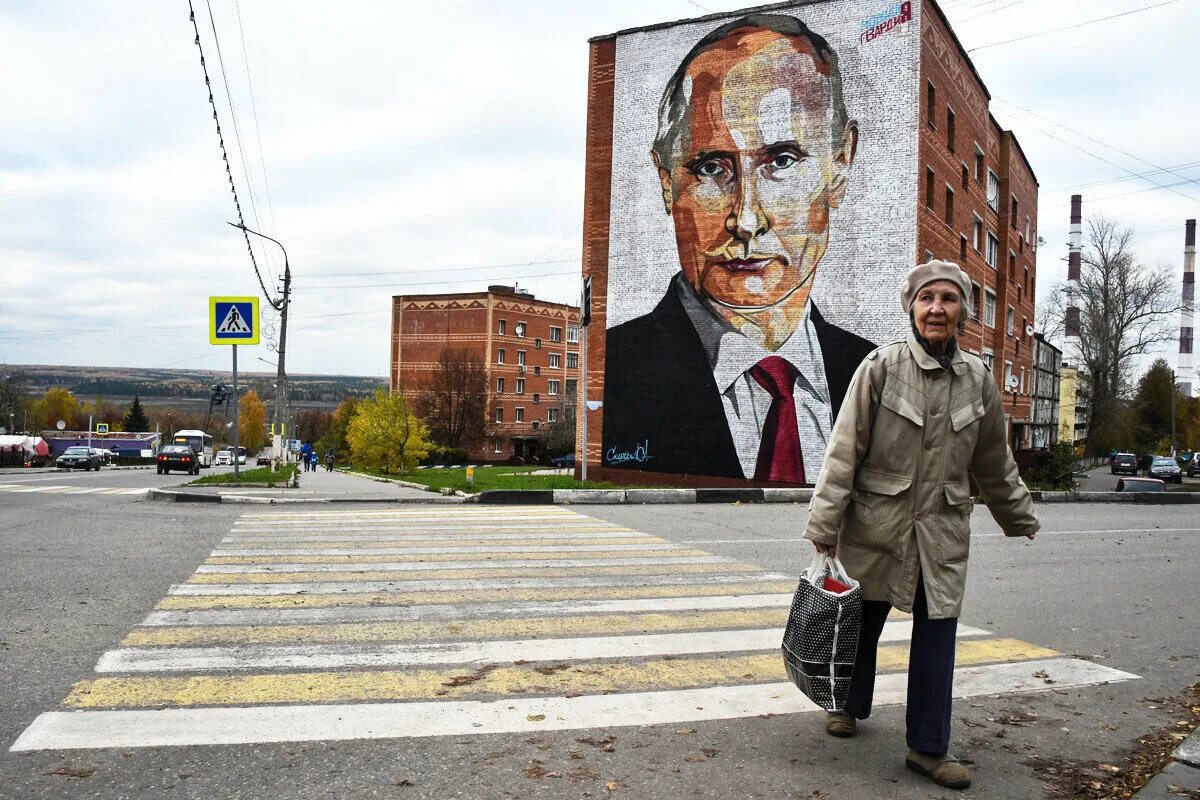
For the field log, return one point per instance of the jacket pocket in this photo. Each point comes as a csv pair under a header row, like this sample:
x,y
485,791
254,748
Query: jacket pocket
x,y
954,534
963,416
874,516
899,404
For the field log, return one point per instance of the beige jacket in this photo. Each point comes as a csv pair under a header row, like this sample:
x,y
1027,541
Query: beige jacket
x,y
893,494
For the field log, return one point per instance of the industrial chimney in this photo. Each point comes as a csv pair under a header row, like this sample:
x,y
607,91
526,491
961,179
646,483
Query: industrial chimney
x,y
1185,377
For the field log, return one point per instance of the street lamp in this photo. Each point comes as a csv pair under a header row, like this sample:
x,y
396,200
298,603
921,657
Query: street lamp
x,y
280,411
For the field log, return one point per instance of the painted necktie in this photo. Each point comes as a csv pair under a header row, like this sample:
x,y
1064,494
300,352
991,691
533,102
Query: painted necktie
x,y
779,456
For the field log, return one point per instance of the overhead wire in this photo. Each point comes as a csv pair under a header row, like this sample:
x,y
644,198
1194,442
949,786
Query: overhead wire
x,y
992,11
225,155
423,270
1118,179
237,134
1072,27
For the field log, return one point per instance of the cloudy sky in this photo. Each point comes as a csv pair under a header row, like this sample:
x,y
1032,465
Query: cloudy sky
x,y
418,146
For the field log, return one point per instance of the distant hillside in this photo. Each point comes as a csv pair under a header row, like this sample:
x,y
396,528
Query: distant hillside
x,y
187,386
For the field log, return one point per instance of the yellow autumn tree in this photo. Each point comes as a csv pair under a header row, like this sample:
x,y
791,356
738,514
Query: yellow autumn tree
x,y
385,435
252,422
57,404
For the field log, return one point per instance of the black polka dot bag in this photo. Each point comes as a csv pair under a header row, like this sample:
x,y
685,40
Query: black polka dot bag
x,y
821,636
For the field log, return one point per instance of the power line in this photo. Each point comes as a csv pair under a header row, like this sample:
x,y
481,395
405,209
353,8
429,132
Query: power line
x,y
225,155
992,11
439,283
423,270
1072,27
254,110
1125,194
1119,179
1097,141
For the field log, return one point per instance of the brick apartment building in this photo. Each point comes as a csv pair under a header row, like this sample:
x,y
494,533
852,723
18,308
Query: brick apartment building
x,y
529,347
931,175
979,209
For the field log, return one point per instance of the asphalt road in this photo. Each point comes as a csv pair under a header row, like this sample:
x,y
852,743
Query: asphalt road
x,y
1111,585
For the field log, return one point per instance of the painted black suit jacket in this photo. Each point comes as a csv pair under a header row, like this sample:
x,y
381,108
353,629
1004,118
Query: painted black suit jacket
x,y
662,409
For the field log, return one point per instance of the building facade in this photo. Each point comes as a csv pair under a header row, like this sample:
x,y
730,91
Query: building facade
x,y
690,253
1047,364
1073,407
529,349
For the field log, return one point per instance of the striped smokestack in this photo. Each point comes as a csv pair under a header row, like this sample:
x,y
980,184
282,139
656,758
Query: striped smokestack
x,y
1186,377
1074,262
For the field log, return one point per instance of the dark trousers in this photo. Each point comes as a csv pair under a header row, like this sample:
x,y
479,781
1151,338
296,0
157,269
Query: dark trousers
x,y
930,673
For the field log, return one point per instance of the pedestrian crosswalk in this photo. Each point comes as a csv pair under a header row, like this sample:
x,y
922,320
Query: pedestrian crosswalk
x,y
439,620
21,488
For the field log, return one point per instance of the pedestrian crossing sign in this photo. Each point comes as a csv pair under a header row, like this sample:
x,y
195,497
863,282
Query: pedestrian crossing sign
x,y
233,320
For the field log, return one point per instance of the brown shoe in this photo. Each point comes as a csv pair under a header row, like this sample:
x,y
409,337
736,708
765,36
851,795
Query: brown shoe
x,y
841,725
941,769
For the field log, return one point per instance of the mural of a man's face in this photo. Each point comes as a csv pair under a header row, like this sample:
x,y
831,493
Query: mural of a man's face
x,y
757,169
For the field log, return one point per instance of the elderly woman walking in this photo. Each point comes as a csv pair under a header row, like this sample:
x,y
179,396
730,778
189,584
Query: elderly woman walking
x,y
893,501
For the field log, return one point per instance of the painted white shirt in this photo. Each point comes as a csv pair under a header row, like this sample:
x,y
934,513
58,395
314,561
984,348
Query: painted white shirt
x,y
732,354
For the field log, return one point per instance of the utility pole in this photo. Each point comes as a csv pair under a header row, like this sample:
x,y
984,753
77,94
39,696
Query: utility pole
x,y
279,415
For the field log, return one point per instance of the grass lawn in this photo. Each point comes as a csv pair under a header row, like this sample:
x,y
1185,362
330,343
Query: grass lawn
x,y
259,475
492,478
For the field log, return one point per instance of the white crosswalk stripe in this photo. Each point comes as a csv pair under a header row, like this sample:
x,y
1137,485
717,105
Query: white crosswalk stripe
x,y
72,490
435,621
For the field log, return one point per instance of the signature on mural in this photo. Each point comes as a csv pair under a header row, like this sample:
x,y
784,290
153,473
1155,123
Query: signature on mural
x,y
887,20
639,454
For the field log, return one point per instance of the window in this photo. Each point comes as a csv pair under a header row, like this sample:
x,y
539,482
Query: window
x,y
521,358
537,398
1012,266
521,329
1012,315
555,361
966,176
950,128
1012,217
572,384
978,164
1028,283
929,188
553,387
930,104
976,233
497,446
500,356
993,192
572,360
989,358
989,308
1027,223
499,385
499,415
502,327
536,424
556,334
537,343
993,250
520,413
537,370
552,415
520,386
962,248
976,306
949,206
1008,373
572,333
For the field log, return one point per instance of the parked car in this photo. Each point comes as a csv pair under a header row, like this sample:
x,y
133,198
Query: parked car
x,y
1125,462
180,457
78,457
1165,468
1141,485
567,460
1193,466
224,458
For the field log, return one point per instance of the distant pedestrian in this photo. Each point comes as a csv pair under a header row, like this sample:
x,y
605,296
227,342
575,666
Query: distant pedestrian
x,y
894,502
312,460
329,461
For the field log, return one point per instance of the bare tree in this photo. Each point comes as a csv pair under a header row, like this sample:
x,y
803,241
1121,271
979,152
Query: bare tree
x,y
454,401
560,438
1125,308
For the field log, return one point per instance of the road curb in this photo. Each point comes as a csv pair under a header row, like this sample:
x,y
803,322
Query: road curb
x,y
1146,498
1182,772
171,496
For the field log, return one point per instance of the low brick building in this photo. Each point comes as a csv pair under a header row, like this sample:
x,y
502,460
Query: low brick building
x,y
529,348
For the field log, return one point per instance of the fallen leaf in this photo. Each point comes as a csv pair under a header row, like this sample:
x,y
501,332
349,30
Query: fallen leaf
x,y
711,752
536,717
684,731
73,772
611,786
405,782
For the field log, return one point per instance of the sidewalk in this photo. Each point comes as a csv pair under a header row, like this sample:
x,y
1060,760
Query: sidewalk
x,y
315,487
1180,778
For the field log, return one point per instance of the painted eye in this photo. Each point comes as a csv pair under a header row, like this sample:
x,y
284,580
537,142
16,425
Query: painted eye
x,y
710,169
783,160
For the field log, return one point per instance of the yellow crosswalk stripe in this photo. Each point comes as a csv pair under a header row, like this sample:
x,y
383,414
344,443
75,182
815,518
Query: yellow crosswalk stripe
x,y
473,682
185,603
479,629
485,572
292,544
433,558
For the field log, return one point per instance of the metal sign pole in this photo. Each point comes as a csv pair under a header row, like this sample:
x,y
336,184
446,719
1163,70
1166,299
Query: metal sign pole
x,y
235,415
